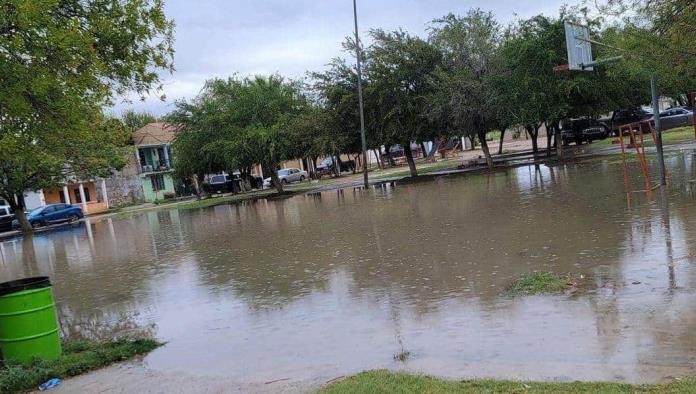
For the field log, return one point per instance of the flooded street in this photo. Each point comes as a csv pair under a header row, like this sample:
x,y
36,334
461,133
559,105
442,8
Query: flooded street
x,y
318,286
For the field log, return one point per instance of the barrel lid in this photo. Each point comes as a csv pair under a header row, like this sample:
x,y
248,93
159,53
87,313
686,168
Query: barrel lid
x,y
18,285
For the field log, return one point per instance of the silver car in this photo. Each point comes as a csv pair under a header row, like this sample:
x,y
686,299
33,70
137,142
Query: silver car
x,y
287,175
675,117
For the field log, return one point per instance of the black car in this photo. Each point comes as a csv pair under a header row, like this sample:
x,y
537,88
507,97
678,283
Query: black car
x,y
583,130
6,218
327,167
224,183
626,116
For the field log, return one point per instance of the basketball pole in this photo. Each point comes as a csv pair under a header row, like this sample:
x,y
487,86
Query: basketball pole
x,y
658,130
653,91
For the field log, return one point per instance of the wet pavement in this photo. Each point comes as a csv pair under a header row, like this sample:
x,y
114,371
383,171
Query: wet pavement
x,y
299,291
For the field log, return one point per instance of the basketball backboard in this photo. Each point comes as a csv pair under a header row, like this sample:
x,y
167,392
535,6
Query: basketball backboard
x,y
579,47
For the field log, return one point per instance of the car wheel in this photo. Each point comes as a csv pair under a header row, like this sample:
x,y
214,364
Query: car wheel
x,y
302,178
283,181
36,224
72,218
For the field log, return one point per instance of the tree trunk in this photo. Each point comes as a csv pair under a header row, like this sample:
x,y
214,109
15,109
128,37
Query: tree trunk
x,y
558,139
549,136
486,151
533,131
424,151
379,159
409,159
433,150
198,184
18,211
472,139
337,165
392,163
500,144
245,174
275,181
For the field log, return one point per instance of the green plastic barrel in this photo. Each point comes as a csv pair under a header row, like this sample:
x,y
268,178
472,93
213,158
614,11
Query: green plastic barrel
x,y
28,323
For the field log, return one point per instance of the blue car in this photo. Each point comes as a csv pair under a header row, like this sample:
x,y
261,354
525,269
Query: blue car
x,y
52,214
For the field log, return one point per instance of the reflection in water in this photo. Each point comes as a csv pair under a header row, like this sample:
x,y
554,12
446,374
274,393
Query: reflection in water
x,y
340,281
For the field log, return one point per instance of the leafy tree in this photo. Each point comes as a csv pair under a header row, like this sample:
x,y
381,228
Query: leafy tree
x,y
134,120
466,97
536,95
237,123
60,63
337,93
661,33
398,71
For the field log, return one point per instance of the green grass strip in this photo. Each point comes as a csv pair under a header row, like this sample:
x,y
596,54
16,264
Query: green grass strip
x,y
391,382
78,357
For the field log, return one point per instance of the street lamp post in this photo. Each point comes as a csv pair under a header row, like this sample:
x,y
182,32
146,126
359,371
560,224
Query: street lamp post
x,y
360,96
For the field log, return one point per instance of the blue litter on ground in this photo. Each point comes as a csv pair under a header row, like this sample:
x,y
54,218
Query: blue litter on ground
x,y
50,384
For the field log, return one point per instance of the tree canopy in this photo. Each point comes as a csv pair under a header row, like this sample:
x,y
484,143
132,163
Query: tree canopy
x,y
237,123
61,62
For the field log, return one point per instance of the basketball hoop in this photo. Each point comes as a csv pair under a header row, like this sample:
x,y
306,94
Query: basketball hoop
x,y
562,67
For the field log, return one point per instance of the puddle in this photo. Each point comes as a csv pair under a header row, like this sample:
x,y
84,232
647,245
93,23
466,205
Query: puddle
x,y
324,285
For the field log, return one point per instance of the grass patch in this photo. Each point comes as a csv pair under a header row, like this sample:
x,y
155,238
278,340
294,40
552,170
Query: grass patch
x,y
213,201
540,283
391,382
402,356
423,169
672,136
78,357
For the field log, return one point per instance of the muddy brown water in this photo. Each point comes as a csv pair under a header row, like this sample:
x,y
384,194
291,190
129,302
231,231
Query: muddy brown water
x,y
318,286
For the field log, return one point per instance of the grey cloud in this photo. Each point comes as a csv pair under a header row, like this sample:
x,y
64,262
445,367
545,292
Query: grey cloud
x,y
218,38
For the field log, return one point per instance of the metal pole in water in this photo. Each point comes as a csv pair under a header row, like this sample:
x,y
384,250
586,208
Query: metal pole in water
x,y
360,96
658,131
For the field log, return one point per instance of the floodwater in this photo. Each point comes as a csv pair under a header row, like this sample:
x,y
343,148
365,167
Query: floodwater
x,y
318,286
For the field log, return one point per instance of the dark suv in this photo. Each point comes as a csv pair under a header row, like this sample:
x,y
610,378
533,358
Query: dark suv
x,y
583,130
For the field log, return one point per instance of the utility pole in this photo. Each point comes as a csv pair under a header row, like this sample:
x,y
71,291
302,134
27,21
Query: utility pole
x,y
360,96
658,130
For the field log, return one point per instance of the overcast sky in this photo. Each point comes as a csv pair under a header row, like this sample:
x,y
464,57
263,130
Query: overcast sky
x,y
217,38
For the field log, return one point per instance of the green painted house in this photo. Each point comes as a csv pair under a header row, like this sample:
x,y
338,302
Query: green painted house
x,y
153,154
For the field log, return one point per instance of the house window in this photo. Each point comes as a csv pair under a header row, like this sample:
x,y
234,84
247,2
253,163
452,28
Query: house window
x,y
143,159
78,198
157,182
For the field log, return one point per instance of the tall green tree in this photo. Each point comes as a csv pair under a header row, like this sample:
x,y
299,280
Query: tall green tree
x,y
336,91
237,123
399,71
60,63
134,120
465,98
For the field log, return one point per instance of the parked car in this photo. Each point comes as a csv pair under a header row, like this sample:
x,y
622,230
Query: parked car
x,y
287,175
345,165
52,214
675,117
224,183
624,117
6,218
583,130
398,150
